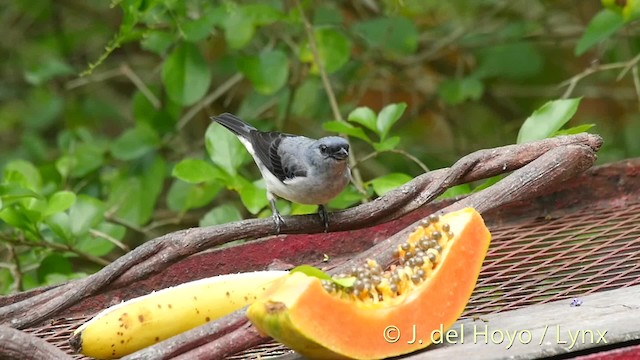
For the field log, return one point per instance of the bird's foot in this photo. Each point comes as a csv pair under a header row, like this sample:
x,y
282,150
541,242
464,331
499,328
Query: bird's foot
x,y
277,218
278,221
322,211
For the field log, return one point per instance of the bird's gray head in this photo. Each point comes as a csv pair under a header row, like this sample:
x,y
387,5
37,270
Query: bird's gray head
x,y
332,147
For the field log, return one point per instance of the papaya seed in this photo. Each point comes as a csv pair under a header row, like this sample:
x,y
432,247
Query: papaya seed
x,y
446,228
436,235
418,260
433,218
393,288
416,278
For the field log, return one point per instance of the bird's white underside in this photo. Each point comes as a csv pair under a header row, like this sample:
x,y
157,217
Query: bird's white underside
x,y
297,189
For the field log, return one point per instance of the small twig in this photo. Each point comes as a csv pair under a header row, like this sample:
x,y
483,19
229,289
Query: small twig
x,y
395,151
144,89
15,269
98,77
630,64
572,82
357,177
111,217
636,82
58,247
218,92
111,239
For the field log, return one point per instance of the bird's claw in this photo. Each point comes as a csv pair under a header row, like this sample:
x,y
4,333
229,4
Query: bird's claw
x,y
322,211
278,221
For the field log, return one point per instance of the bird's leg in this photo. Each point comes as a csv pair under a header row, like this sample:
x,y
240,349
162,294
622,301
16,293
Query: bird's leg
x,y
322,211
277,218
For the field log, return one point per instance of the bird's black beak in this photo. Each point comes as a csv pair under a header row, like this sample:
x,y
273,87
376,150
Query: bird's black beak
x,y
340,154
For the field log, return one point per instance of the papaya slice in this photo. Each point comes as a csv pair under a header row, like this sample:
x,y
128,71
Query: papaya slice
x,y
385,313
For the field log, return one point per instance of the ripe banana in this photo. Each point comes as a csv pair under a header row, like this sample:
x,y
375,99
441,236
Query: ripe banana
x,y
135,324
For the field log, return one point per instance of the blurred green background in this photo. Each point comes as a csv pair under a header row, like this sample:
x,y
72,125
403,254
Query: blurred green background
x,y
105,137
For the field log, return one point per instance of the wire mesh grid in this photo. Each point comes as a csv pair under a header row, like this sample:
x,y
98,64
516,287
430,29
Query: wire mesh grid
x,y
530,262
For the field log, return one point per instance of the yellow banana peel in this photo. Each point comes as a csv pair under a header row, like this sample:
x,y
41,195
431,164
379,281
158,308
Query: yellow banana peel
x,y
140,322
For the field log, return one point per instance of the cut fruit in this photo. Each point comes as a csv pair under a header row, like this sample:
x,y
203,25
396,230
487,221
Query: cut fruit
x,y
385,313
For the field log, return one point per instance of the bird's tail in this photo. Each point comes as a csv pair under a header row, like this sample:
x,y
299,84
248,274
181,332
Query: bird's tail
x,y
234,124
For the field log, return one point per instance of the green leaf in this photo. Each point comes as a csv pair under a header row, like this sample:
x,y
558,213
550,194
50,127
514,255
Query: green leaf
x,y
12,192
241,21
311,271
519,60
342,127
365,117
60,224
44,107
19,217
457,91
196,171
348,197
383,184
134,143
268,72
50,68
345,281
388,116
601,27
485,184
134,194
222,214
262,14
253,197
23,173
87,212
334,50
398,36
157,41
574,130
85,158
186,74
195,30
54,264
547,119
239,29
59,201
183,196
387,144
631,11
98,246
454,191
224,148
317,273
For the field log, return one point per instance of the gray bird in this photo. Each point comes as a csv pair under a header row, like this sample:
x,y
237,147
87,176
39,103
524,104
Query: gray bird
x,y
296,168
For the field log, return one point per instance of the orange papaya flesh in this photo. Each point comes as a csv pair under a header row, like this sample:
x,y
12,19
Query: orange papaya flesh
x,y
320,323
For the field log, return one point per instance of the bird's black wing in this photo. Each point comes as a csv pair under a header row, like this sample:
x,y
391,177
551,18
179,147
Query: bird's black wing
x,y
266,146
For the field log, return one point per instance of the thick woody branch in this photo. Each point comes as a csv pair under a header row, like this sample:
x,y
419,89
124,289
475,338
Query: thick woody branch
x,y
154,256
18,345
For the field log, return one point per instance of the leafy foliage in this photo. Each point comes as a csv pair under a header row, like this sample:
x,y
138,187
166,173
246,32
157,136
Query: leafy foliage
x,y
106,140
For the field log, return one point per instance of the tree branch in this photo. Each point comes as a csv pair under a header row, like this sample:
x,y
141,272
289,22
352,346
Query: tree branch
x,y
155,255
18,345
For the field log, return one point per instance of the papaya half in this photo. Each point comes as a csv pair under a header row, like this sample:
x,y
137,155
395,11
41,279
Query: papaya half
x,y
384,313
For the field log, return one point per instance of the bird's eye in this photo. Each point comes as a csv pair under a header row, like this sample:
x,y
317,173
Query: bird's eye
x,y
323,148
